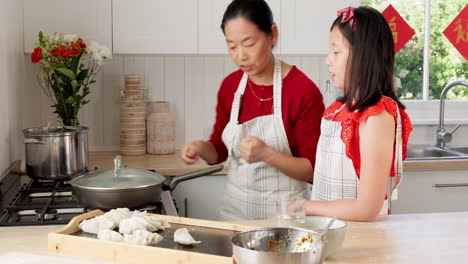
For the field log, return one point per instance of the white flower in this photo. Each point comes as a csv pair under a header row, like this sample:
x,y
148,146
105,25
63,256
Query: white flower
x,y
99,52
68,38
403,73
397,83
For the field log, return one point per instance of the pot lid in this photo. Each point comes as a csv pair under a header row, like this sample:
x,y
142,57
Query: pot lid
x,y
54,131
111,179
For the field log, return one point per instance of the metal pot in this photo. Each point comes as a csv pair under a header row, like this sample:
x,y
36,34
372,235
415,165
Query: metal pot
x,y
56,152
130,188
275,245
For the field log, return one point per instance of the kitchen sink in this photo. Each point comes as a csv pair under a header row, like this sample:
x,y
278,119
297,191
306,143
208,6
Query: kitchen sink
x,y
433,152
463,150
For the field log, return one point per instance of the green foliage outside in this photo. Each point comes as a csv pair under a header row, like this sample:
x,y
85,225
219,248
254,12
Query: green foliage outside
x,y
446,63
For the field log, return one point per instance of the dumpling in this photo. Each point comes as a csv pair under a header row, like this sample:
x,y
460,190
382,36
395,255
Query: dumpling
x,y
142,221
130,225
143,237
157,223
96,224
117,215
109,235
182,236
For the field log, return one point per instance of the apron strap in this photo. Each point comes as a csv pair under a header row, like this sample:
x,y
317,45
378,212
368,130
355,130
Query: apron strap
x,y
398,163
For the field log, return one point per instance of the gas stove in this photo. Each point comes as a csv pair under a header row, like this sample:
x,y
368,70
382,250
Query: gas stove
x,y
26,201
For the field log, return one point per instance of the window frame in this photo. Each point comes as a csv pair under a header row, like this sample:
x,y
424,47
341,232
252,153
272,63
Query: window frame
x,y
427,111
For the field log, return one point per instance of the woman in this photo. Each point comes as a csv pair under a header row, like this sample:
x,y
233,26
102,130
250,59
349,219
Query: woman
x,y
270,136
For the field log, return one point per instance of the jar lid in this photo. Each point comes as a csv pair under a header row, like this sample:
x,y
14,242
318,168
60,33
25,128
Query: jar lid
x,y
125,178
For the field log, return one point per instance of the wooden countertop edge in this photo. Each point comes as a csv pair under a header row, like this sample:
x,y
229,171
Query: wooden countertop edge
x,y
441,164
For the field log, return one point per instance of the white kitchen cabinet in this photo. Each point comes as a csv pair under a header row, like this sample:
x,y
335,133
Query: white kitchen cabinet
x,y
201,197
421,192
210,14
91,20
155,26
305,24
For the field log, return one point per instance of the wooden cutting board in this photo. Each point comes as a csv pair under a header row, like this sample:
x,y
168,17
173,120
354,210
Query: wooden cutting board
x,y
215,247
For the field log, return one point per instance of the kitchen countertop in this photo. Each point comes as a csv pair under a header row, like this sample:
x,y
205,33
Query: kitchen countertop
x,y
412,238
172,164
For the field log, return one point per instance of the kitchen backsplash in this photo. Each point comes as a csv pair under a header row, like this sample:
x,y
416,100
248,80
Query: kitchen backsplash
x,y
190,84
11,81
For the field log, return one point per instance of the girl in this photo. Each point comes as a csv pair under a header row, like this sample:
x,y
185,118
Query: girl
x,y
364,133
267,119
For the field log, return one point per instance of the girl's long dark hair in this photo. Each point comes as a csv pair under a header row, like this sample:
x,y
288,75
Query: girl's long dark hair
x,y
372,60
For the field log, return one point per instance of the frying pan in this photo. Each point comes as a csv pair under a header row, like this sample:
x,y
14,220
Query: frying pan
x,y
125,187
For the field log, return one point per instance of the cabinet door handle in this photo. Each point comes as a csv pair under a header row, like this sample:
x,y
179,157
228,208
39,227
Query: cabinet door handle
x,y
446,185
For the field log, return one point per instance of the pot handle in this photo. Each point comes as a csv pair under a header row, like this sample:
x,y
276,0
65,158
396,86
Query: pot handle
x,y
51,121
32,141
192,175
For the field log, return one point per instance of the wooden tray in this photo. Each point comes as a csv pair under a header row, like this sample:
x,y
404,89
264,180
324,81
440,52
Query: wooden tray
x,y
71,240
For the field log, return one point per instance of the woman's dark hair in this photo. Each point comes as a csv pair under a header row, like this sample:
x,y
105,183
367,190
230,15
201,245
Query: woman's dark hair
x,y
372,59
255,11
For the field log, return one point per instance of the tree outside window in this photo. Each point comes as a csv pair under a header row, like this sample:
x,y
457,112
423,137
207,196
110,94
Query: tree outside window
x,y
446,63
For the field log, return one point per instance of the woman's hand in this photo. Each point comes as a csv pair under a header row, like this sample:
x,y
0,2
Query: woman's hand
x,y
252,149
190,152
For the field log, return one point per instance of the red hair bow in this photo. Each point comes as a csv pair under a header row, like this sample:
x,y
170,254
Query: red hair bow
x,y
348,15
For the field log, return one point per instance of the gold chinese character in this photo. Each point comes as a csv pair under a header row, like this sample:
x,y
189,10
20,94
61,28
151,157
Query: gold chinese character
x,y
392,24
463,36
395,37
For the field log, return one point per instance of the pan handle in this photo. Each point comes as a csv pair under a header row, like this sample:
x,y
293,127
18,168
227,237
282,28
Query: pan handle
x,y
192,175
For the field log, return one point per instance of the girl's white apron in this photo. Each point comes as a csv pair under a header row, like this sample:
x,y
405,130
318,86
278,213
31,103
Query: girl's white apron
x,y
252,190
334,176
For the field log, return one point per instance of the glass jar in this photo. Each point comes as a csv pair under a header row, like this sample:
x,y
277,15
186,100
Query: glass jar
x,y
160,129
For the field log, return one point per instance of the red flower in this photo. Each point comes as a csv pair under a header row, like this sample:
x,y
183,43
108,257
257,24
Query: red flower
x,y
36,56
81,43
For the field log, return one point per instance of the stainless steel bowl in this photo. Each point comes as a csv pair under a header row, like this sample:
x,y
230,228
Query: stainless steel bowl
x,y
276,245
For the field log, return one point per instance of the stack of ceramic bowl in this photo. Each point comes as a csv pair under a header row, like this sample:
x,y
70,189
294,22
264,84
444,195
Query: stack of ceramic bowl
x,y
132,118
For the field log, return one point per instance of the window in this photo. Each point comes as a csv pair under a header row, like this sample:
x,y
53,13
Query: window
x,y
446,64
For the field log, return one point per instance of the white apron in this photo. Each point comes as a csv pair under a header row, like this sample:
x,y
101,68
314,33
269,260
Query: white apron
x,y
334,176
252,190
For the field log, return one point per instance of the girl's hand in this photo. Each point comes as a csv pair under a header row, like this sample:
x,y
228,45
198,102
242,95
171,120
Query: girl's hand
x,y
190,153
252,149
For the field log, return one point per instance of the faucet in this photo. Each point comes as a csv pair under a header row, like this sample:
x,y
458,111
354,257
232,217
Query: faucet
x,y
444,137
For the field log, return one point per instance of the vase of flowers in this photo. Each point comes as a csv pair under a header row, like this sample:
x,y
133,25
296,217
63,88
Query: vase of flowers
x,y
68,69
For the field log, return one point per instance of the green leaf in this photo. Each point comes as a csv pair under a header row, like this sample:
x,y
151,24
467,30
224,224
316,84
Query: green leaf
x,y
77,61
81,76
70,100
67,73
41,39
74,84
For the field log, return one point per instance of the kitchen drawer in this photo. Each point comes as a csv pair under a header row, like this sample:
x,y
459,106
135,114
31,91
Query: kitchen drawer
x,y
432,192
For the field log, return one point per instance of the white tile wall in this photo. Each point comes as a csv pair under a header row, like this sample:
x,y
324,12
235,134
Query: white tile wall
x,y
189,82
11,80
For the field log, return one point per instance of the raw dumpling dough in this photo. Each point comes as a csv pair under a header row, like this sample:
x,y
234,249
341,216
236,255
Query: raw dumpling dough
x,y
96,224
117,215
143,237
110,235
129,225
156,222
182,236
142,221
